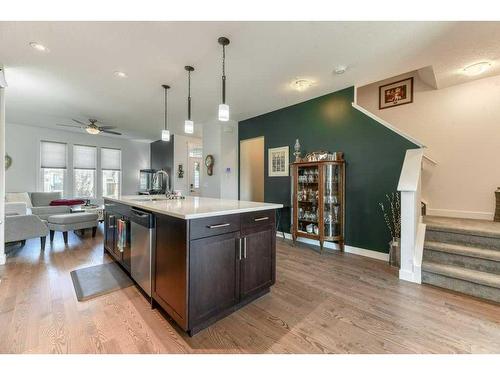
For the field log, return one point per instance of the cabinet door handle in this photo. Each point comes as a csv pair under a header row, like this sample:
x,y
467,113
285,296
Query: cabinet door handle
x,y
218,226
239,244
244,247
261,218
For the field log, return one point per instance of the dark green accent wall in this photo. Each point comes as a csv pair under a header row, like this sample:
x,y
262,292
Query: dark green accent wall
x,y
374,157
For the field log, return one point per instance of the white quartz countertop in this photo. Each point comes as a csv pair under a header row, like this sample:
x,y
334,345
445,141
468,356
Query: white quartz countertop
x,y
192,207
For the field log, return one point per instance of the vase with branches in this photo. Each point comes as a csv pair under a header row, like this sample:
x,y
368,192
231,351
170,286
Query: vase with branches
x,y
391,211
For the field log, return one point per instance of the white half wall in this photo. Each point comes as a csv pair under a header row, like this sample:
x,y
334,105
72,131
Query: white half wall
x,y
460,127
220,139
23,145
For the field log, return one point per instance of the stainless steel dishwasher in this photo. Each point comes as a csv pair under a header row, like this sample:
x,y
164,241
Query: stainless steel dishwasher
x,y
142,242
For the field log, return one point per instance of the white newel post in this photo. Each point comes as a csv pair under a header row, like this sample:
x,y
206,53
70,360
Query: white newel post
x,y
3,85
408,234
410,188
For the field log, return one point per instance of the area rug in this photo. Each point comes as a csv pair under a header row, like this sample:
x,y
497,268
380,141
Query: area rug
x,y
95,281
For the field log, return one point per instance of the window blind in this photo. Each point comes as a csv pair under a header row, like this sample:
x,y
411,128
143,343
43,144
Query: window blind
x,y
84,157
53,155
111,159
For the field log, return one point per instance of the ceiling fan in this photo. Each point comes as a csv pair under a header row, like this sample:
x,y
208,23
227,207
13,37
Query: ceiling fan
x,y
92,128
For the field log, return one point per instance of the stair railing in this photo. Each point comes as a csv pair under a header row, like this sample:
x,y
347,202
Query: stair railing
x,y
412,228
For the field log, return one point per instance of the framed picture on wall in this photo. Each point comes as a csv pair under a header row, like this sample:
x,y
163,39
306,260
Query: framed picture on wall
x,y
278,161
396,93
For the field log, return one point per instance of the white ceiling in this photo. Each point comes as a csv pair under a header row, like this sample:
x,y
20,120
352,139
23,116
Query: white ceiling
x,y
75,79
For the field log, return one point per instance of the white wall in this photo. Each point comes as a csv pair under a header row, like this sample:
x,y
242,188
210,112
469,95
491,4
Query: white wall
x,y
181,157
23,145
220,139
460,125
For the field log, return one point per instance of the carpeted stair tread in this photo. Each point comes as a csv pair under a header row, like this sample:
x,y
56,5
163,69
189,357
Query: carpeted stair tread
x,y
470,251
483,228
473,276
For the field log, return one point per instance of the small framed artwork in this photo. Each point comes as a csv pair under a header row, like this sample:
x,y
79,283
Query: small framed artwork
x,y
278,161
396,93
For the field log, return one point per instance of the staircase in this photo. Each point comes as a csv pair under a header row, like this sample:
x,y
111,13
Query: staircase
x,y
463,255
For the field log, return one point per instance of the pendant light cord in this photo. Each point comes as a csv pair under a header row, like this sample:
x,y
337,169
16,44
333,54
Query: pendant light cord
x,y
189,95
165,123
223,74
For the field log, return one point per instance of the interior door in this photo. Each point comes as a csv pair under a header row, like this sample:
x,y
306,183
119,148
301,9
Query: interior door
x,y
194,175
252,169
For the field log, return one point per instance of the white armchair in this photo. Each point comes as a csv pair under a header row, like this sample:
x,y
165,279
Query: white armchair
x,y
21,225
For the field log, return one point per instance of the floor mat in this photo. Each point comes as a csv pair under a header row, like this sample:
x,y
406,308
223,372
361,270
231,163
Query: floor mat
x,y
91,282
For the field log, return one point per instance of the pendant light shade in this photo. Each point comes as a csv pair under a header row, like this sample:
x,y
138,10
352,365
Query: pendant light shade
x,y
223,112
188,124
165,133
223,108
188,127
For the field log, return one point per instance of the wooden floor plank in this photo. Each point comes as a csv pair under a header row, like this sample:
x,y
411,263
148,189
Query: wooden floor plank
x,y
330,303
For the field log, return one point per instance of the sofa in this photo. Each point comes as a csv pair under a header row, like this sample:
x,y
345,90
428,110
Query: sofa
x,y
39,203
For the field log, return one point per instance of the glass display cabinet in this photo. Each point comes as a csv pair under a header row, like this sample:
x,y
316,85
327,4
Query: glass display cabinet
x,y
318,200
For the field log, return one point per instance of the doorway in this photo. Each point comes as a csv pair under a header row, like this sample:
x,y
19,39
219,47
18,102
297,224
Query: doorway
x,y
195,152
252,169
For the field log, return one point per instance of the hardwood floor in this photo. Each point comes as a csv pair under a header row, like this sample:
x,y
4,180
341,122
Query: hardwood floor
x,y
335,303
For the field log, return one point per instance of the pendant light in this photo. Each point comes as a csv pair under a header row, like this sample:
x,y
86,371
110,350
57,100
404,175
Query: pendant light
x,y
165,133
188,124
223,108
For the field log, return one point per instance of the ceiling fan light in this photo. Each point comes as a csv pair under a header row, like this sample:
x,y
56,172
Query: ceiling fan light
x,y
223,112
92,130
165,135
188,127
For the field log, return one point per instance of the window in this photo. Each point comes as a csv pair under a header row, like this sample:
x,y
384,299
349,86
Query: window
x,y
111,165
195,152
53,165
84,167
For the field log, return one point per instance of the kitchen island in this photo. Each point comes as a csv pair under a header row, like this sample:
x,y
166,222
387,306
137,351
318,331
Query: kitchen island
x,y
208,257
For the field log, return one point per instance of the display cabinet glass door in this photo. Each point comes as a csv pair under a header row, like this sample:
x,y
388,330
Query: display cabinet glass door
x,y
307,196
332,201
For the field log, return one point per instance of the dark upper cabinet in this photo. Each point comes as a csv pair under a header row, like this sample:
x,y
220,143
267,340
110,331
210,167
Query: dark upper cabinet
x,y
162,156
214,276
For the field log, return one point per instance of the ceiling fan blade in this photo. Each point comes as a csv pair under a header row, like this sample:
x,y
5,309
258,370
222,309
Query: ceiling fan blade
x,y
79,122
110,132
107,127
69,126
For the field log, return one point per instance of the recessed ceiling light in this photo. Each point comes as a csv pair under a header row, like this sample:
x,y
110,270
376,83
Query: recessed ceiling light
x,y
39,47
120,74
476,69
301,84
340,69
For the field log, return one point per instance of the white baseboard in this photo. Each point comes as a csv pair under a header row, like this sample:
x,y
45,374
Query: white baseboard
x,y
460,214
348,249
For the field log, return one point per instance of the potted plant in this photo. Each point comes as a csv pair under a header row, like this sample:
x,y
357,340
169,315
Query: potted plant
x,y
392,217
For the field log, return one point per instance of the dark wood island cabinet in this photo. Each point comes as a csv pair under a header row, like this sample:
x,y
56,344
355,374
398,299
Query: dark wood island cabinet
x,y
205,268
